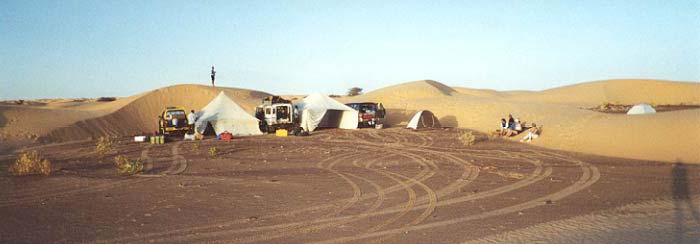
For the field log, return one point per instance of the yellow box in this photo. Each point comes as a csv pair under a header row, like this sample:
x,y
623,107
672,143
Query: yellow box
x,y
281,133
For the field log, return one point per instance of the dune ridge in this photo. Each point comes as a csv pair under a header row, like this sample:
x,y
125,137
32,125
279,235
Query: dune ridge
x,y
567,125
623,91
140,115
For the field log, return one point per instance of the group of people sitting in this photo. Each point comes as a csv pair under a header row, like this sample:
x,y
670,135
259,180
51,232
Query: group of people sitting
x,y
513,126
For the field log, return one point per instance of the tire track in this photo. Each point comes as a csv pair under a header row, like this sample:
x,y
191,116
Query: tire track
x,y
535,176
469,175
329,222
339,221
384,212
289,229
589,176
162,236
178,163
312,229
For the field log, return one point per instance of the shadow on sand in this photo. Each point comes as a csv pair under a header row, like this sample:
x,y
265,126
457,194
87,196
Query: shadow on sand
x,y
683,206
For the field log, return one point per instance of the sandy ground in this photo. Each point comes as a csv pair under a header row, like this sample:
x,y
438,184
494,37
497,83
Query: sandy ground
x,y
349,186
564,112
656,221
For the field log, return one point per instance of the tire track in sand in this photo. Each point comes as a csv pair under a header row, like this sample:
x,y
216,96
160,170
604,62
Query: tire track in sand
x,y
289,229
590,175
178,163
216,228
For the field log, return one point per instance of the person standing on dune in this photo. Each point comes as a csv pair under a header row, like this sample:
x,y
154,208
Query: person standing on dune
x,y
213,75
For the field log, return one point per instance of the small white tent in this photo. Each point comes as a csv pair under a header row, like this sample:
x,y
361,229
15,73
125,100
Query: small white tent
x,y
225,115
321,111
642,108
423,119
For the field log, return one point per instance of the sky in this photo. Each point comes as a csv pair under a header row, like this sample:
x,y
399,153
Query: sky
x,y
51,49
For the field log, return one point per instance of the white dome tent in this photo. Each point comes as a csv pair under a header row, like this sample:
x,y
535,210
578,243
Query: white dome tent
x,y
641,108
321,111
225,115
424,119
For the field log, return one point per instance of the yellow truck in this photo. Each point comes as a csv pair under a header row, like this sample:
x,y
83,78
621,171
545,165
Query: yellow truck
x,y
173,120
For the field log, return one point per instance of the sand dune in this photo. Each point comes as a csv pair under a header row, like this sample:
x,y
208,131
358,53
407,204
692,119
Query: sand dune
x,y
667,136
629,91
62,120
140,116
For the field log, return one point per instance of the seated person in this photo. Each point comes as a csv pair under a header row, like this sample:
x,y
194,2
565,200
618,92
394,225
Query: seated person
x,y
511,122
532,133
504,127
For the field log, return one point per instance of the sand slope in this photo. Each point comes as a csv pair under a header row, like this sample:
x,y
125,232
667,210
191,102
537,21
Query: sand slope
x,y
27,123
629,91
141,115
62,120
667,136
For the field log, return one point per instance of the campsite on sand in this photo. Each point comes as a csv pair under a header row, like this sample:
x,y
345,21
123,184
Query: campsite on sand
x,y
594,171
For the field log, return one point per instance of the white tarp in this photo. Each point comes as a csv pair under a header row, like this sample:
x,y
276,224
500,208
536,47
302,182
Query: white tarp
x,y
642,108
225,115
321,111
423,119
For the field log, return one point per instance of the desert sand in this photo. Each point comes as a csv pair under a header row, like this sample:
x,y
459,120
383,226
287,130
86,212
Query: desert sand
x,y
343,186
591,177
567,123
563,112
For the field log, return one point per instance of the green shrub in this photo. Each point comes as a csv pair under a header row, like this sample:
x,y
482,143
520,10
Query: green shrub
x,y
30,163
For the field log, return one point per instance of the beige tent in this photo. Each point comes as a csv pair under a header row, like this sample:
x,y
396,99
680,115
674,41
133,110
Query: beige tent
x,y
322,111
424,119
225,115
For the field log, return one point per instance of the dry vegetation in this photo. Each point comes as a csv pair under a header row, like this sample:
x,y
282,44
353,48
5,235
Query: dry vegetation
x,y
612,107
467,138
106,99
213,152
126,166
30,163
104,146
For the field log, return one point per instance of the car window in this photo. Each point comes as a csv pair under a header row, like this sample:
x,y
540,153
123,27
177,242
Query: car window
x,y
175,112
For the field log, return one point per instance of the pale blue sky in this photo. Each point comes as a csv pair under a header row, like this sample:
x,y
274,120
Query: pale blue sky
x,y
120,48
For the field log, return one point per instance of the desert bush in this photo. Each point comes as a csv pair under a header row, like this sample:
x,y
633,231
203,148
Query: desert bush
x,y
104,146
354,91
126,166
467,138
213,151
333,95
106,99
195,148
30,163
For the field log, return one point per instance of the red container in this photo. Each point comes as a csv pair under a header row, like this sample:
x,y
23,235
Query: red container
x,y
226,136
